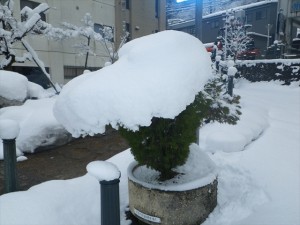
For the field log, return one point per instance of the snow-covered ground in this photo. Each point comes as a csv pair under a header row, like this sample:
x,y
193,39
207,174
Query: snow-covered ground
x,y
257,160
258,164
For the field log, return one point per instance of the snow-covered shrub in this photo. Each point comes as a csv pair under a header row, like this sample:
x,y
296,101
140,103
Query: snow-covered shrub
x,y
154,94
164,144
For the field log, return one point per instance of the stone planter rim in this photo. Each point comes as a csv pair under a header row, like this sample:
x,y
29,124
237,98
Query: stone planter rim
x,y
201,182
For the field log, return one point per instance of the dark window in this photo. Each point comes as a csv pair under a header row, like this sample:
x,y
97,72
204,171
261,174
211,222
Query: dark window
x,y
260,15
215,24
127,4
107,32
32,5
249,18
156,9
71,72
33,74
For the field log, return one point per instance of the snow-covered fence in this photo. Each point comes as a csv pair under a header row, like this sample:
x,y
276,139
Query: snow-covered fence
x,y
286,70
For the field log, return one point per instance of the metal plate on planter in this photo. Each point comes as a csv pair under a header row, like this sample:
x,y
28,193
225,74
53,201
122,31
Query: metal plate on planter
x,y
147,217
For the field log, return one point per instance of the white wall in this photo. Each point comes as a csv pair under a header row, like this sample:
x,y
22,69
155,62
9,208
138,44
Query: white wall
x,y
57,54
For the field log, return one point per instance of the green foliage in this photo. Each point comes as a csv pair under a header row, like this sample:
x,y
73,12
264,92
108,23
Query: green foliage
x,y
221,108
165,143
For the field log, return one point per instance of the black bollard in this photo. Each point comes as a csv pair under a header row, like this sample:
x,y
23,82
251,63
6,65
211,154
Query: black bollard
x,y
10,175
230,85
217,65
110,202
108,175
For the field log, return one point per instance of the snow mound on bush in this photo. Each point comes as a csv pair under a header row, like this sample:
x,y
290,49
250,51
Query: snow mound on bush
x,y
156,76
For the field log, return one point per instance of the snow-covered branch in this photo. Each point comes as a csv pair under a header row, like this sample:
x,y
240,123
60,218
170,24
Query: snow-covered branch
x,y
101,34
13,31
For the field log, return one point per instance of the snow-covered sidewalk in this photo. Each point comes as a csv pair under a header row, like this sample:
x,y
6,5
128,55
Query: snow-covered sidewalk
x,y
260,182
258,161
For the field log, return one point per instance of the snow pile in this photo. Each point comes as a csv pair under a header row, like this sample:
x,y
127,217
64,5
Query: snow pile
x,y
198,171
71,202
231,138
156,76
37,91
13,86
38,126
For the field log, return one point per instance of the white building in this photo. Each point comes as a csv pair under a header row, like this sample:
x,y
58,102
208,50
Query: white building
x,y
62,61
60,57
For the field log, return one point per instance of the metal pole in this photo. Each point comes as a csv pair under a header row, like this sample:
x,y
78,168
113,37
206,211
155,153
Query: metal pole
x,y
10,175
268,41
198,19
225,43
110,202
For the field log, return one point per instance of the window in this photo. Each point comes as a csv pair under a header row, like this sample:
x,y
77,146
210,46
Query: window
x,y
107,32
33,74
127,4
156,9
215,24
32,5
249,18
71,72
260,15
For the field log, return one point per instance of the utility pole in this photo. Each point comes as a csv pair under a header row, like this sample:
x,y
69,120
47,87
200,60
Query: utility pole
x,y
269,26
225,34
198,18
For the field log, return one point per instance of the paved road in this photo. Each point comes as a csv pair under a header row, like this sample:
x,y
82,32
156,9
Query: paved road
x,y
65,162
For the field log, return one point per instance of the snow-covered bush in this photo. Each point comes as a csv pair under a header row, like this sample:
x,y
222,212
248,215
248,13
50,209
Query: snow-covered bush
x,y
152,93
164,144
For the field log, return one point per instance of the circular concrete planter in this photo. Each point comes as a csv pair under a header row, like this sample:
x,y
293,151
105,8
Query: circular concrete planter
x,y
153,204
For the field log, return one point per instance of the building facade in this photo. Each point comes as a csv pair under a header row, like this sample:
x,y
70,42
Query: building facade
x,y
62,60
289,26
261,15
140,17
